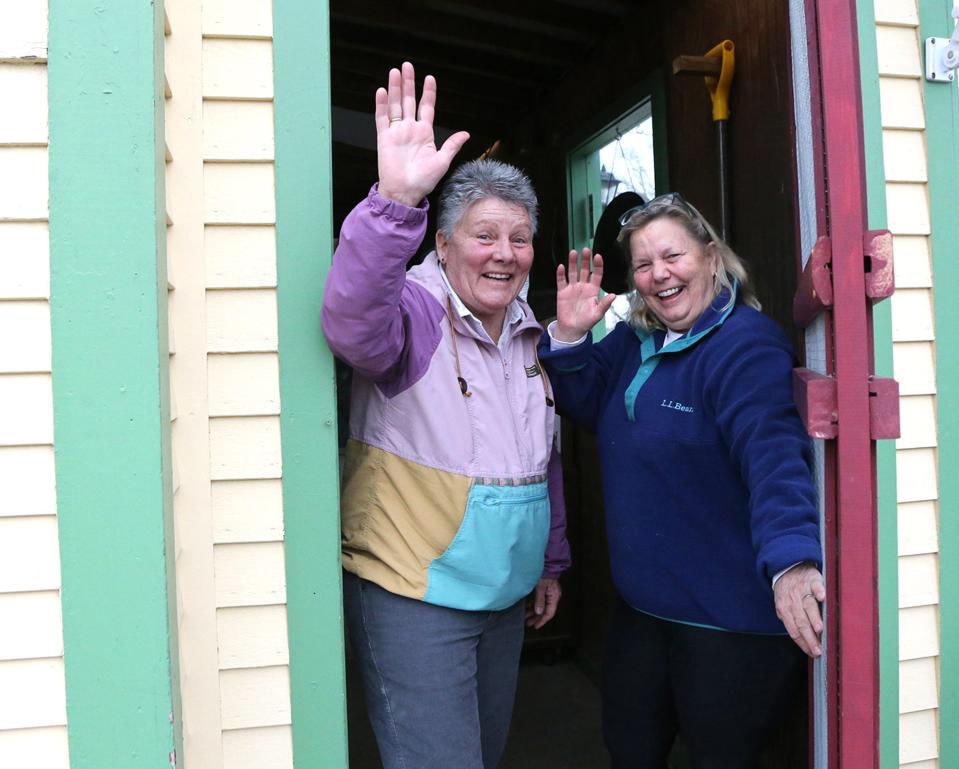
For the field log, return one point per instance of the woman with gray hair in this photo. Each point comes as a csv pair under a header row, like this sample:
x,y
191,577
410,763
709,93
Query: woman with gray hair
x,y
711,510
451,507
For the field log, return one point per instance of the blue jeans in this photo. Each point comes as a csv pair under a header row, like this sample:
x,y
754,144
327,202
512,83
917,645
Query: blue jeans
x,y
439,682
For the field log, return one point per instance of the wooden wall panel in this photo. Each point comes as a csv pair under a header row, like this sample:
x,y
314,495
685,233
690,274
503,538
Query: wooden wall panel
x,y
912,315
247,511
237,69
244,448
252,637
916,475
263,748
912,263
918,736
32,626
915,368
24,260
240,257
897,12
40,695
23,32
239,193
908,209
26,349
918,580
26,88
26,409
241,321
904,156
918,632
27,481
32,699
27,199
250,574
898,49
918,529
238,130
918,685
238,18
244,384
29,554
43,747
901,103
917,415
255,697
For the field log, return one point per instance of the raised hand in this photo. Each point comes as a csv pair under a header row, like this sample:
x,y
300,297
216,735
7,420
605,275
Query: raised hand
x,y
410,165
578,303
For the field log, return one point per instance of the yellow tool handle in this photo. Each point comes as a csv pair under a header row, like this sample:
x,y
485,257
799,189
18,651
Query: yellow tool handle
x,y
719,87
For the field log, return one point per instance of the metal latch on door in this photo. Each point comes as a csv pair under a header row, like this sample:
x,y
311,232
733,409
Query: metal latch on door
x,y
942,55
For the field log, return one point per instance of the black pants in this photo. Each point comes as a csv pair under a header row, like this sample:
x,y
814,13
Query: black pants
x,y
722,691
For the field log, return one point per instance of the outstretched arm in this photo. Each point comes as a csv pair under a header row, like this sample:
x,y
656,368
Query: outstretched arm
x,y
410,165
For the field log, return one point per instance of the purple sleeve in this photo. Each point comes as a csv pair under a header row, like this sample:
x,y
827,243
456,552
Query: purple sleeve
x,y
384,326
557,547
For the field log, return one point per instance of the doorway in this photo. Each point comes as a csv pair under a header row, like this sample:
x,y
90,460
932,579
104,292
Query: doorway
x,y
548,80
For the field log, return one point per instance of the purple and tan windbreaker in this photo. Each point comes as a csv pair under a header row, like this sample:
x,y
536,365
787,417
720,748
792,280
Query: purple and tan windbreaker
x,y
446,498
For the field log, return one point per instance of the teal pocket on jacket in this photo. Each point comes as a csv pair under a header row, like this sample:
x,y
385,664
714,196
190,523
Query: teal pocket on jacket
x,y
496,557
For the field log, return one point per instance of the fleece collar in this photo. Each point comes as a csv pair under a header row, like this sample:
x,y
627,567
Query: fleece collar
x,y
711,319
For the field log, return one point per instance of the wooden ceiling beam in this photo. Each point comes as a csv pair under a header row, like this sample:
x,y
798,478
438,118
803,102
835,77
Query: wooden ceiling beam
x,y
469,37
432,60
566,27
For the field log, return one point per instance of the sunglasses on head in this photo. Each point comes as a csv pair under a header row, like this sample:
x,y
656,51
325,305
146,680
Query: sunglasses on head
x,y
668,199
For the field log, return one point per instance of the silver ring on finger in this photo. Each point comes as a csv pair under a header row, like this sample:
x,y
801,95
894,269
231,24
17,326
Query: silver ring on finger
x,y
394,118
808,595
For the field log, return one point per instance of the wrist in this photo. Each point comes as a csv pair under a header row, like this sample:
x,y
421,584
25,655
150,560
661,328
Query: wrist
x,y
403,197
563,333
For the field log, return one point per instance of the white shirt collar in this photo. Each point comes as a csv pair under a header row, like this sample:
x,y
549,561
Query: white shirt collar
x,y
514,313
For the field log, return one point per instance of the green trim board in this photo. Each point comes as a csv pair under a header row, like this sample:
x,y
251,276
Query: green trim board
x,y
942,147
582,162
888,545
110,379
304,238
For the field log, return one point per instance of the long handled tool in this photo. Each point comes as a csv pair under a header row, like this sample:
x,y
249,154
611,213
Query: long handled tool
x,y
718,65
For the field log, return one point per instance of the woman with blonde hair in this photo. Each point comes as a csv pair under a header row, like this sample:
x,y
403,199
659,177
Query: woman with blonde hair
x,y
711,509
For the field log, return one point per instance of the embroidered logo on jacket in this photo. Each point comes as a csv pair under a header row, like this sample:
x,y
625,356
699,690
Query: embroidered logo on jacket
x,y
677,406
532,370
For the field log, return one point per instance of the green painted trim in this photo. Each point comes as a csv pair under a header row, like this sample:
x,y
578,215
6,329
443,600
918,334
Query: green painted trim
x,y
888,544
650,89
110,378
304,237
942,146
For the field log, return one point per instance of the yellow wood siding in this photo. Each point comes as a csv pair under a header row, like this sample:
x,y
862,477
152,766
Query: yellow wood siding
x,y
230,568
906,172
33,703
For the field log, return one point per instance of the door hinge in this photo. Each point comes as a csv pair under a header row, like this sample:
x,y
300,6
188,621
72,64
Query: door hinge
x,y
814,293
817,402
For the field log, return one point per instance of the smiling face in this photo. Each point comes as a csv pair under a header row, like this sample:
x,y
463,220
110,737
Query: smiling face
x,y
673,272
487,257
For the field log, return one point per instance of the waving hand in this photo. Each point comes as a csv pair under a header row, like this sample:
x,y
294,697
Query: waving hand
x,y
578,303
410,165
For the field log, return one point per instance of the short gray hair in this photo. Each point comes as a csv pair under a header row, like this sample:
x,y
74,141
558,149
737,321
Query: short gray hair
x,y
480,179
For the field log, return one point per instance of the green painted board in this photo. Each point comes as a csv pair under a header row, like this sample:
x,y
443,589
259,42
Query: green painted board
x,y
110,372
307,388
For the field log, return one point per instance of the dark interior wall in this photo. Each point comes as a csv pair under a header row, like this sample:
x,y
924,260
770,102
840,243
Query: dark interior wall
x,y
598,88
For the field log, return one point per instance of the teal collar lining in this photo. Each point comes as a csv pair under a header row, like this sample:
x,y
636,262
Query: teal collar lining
x,y
651,356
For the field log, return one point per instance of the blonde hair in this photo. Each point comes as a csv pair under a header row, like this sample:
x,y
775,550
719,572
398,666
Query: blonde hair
x,y
730,268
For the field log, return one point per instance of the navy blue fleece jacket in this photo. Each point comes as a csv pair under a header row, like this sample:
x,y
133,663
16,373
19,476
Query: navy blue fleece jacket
x,y
705,464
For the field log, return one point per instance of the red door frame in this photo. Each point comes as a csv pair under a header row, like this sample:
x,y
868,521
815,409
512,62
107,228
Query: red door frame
x,y
850,483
